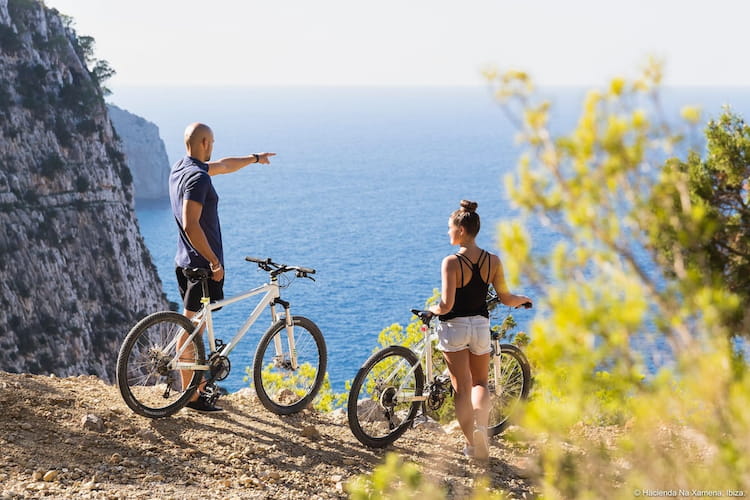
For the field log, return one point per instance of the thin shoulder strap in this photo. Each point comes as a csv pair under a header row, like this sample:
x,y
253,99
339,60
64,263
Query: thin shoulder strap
x,y
461,259
484,257
464,258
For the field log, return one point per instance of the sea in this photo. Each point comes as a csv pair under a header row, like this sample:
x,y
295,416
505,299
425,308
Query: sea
x,y
360,189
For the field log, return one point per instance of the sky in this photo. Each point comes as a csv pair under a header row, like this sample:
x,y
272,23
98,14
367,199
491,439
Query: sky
x,y
412,42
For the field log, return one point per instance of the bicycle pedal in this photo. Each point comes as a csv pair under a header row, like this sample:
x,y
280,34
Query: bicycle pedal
x,y
211,393
420,419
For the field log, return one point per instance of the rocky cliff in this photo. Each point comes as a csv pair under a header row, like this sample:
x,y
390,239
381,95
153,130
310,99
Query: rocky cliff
x,y
76,272
145,154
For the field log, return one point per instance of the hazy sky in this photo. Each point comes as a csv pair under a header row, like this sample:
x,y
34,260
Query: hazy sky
x,y
412,42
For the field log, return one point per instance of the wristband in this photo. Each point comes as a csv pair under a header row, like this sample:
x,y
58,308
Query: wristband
x,y
257,157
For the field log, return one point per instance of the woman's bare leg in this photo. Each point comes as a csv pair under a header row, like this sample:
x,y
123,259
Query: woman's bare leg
x,y
458,365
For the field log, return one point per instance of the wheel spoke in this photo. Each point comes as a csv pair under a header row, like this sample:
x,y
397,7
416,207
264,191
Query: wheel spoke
x,y
147,384
281,388
381,405
510,389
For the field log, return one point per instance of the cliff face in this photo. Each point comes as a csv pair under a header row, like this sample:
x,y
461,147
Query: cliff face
x,y
145,154
76,272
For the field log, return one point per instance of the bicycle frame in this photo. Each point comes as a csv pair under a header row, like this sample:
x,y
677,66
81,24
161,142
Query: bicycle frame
x,y
270,298
424,348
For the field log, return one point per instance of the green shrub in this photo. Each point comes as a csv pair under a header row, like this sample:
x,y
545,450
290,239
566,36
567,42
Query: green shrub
x,y
79,95
10,42
64,138
20,6
82,183
87,127
30,86
126,177
6,100
605,187
398,480
19,10
30,196
51,165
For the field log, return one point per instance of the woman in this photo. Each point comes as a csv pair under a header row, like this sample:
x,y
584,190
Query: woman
x,y
464,329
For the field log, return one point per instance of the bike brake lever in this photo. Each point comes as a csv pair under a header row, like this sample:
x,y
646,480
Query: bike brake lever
x,y
300,274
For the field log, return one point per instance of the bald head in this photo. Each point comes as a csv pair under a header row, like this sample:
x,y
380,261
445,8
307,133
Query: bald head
x,y
199,141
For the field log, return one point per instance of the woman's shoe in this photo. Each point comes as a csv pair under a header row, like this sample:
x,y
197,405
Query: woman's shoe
x,y
481,446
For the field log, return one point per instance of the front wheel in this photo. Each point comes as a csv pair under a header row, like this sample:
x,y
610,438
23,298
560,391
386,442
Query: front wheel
x,y
509,385
146,382
382,401
281,387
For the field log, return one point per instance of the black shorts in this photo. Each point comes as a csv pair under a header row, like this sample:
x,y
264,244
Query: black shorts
x,y
191,291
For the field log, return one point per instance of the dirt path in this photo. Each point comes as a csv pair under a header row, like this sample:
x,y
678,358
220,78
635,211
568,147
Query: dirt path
x,y
51,449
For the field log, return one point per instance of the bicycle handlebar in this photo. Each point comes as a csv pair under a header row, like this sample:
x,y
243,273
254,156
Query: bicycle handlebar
x,y
494,301
275,268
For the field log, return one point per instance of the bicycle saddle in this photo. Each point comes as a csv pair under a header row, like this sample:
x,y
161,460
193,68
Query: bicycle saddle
x,y
425,316
196,273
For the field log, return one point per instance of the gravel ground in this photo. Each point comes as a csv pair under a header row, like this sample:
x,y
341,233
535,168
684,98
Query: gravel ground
x,y
75,438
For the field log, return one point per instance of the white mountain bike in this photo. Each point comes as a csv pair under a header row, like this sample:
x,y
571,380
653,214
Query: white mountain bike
x,y
288,369
396,382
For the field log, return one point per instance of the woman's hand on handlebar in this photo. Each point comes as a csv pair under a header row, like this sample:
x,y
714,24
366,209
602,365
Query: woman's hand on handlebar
x,y
523,301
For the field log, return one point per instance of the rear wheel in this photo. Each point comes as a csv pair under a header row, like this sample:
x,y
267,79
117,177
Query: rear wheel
x,y
282,388
147,384
381,406
509,385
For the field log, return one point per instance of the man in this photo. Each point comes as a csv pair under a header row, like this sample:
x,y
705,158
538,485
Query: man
x,y
195,208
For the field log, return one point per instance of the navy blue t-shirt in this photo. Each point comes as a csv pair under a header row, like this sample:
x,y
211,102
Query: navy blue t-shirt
x,y
189,180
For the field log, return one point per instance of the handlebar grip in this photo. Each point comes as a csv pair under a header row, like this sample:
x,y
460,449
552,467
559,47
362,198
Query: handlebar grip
x,y
306,270
258,261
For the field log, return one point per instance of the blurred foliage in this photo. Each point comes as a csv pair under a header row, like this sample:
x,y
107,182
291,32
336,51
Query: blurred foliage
x,y
640,267
399,480
394,480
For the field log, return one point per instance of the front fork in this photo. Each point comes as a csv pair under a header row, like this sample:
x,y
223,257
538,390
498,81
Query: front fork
x,y
289,326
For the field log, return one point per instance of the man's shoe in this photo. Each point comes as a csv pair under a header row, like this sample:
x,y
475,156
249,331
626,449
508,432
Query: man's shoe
x,y
203,406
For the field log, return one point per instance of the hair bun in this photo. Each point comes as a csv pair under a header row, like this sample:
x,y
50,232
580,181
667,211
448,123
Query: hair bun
x,y
469,206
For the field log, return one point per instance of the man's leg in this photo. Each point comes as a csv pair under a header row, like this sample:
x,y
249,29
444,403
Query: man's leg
x,y
189,356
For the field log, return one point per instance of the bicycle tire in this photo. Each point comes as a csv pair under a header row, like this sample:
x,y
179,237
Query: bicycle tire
x,y
142,377
281,389
515,384
372,407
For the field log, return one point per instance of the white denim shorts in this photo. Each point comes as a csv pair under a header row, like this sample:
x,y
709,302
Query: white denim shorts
x,y
468,332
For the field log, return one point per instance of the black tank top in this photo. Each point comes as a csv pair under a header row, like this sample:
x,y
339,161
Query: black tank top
x,y
471,299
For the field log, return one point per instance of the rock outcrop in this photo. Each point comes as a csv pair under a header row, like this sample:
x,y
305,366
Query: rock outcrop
x,y
76,272
145,154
